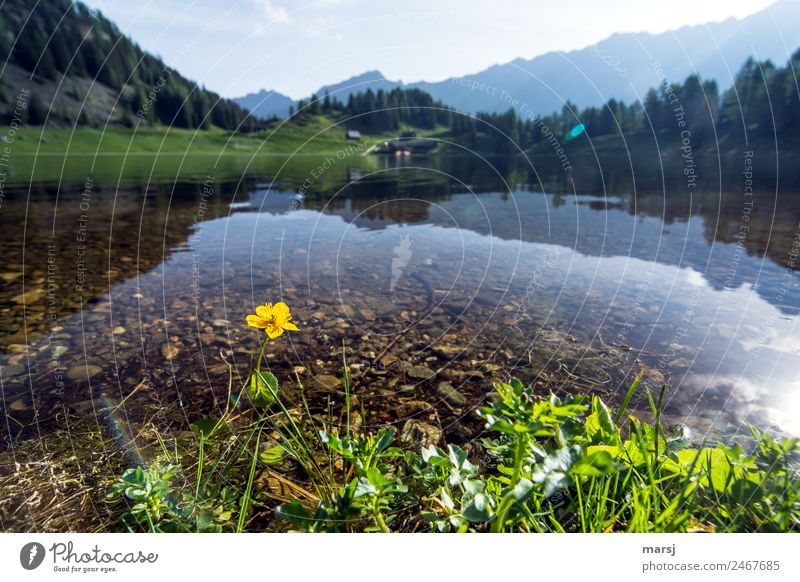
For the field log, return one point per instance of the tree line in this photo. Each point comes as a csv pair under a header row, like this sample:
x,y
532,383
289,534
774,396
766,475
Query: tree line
x,y
61,37
764,102
381,111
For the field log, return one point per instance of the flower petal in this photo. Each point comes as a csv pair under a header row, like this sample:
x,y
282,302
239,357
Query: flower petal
x,y
290,326
256,321
264,310
274,331
281,311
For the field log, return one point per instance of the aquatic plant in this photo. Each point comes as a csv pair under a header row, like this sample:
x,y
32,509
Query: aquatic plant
x,y
549,464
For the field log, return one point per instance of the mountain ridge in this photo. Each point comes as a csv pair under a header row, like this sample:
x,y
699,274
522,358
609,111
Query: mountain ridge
x,y
715,50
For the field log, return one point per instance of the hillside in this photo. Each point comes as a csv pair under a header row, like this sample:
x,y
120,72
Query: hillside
x,y
71,65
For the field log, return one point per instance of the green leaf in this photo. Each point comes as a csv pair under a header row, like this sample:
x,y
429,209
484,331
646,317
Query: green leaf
x,y
600,427
522,489
474,486
364,488
208,427
594,464
745,491
263,388
447,500
477,511
552,471
294,512
204,520
429,452
274,455
457,455
499,425
386,438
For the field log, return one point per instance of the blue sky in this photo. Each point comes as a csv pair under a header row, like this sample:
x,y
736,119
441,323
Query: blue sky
x,y
293,46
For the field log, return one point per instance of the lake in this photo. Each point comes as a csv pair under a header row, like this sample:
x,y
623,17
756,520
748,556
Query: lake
x,y
124,298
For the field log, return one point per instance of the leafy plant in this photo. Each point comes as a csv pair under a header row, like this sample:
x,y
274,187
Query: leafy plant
x,y
558,464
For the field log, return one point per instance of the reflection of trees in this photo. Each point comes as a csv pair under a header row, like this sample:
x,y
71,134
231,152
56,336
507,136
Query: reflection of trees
x,y
637,181
652,183
126,233
125,239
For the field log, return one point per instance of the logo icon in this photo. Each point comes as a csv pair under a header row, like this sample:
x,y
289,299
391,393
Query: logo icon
x,y
402,255
31,555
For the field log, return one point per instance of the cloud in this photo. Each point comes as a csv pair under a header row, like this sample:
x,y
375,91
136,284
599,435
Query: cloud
x,y
272,11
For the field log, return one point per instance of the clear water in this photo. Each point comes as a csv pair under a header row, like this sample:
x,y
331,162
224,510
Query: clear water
x,y
466,268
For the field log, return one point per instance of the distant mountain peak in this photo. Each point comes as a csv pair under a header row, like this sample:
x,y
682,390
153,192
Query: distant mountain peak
x,y
266,103
358,83
621,66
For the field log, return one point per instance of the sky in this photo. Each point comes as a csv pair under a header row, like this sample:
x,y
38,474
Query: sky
x,y
236,47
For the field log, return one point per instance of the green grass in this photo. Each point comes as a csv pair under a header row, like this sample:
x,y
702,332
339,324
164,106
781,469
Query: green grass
x,y
50,154
547,464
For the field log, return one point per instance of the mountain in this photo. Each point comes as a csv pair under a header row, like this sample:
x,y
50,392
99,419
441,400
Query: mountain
x,y
66,64
625,66
622,67
370,80
266,104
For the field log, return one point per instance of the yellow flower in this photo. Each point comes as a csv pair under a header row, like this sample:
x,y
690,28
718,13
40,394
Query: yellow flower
x,y
274,319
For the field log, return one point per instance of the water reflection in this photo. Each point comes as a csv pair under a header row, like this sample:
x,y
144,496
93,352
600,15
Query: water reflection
x,y
440,270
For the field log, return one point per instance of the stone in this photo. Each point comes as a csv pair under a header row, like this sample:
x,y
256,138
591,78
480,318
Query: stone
x,y
83,371
446,350
654,376
83,407
388,360
420,372
681,363
29,297
449,394
327,382
418,434
409,407
19,405
169,351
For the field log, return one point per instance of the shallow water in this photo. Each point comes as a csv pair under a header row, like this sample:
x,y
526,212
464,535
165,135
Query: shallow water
x,y
120,295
